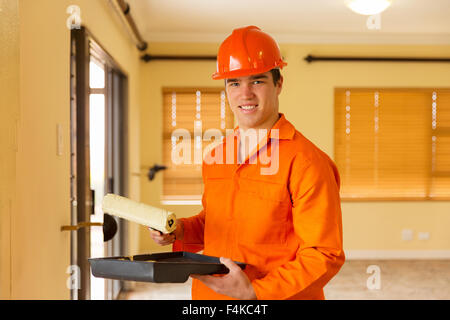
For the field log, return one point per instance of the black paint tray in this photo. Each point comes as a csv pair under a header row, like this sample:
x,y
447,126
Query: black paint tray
x,y
173,267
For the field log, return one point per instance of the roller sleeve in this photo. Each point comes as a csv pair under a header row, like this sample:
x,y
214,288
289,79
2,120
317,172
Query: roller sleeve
x,y
156,218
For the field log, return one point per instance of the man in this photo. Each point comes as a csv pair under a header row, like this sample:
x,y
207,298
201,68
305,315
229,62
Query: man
x,y
285,223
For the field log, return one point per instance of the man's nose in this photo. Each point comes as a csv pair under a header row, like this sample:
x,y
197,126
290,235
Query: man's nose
x,y
247,91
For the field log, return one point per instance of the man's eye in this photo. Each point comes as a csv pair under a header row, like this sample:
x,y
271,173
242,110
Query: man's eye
x,y
258,82
233,84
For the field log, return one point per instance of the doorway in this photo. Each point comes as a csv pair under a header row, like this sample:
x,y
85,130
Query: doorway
x,y
99,158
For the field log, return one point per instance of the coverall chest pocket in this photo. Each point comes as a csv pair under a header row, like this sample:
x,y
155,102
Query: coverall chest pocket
x,y
263,212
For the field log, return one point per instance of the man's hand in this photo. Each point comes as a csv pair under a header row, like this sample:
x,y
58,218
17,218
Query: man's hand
x,y
235,284
164,239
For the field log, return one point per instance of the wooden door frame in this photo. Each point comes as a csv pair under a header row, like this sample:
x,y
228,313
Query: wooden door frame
x,y
81,197
117,160
83,46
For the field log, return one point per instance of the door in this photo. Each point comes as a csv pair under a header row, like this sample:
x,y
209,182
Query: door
x,y
98,157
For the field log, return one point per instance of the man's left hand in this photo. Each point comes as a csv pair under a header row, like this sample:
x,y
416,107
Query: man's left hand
x,y
235,284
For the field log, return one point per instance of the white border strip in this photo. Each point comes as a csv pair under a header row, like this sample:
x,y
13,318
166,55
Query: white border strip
x,y
397,254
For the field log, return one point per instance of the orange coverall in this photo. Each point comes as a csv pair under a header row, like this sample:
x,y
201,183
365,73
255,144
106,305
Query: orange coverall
x,y
286,226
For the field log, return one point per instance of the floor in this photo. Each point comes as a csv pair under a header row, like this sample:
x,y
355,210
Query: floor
x,y
358,279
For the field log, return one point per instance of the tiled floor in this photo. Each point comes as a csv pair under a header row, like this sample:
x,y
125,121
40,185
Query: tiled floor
x,y
159,291
399,279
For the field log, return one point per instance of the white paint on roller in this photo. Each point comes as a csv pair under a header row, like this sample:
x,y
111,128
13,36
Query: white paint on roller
x,y
156,218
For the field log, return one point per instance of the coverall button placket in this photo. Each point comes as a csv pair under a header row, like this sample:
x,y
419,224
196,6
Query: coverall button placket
x,y
234,189
232,232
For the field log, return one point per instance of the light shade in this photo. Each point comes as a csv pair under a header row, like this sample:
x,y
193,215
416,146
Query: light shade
x,y
368,7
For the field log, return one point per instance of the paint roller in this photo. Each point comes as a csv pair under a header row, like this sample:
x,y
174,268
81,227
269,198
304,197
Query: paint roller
x,y
155,218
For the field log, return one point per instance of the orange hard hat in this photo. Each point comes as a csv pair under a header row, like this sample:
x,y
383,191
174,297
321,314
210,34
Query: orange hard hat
x,y
247,51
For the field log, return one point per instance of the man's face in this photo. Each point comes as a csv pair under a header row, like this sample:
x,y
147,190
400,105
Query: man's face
x,y
254,100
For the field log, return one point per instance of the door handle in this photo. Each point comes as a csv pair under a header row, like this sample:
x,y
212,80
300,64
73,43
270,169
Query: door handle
x,y
109,226
81,225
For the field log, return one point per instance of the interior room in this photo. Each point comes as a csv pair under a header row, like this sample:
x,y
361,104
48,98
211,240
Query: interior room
x,y
98,97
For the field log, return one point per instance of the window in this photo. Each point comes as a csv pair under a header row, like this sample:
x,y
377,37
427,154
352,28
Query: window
x,y
192,112
393,144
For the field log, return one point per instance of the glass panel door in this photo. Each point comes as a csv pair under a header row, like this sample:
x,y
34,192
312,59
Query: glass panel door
x,y
97,169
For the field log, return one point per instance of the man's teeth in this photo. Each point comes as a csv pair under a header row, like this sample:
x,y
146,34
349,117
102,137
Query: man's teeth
x,y
248,107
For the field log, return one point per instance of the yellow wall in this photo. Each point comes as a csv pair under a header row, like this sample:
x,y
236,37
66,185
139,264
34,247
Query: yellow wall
x,y
40,252
9,110
307,101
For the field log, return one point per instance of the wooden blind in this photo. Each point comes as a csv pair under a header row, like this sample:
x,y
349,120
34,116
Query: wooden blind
x,y
186,108
393,144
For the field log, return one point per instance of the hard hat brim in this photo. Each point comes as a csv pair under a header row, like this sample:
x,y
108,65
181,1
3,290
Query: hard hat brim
x,y
245,72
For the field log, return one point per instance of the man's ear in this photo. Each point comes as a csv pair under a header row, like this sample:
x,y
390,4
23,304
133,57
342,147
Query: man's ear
x,y
280,84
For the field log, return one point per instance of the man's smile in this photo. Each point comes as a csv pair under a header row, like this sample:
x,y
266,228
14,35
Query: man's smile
x,y
249,108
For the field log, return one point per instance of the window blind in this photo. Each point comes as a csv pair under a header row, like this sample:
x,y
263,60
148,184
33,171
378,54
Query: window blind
x,y
195,111
393,144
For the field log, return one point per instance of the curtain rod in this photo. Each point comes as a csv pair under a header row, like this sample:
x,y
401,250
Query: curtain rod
x,y
123,10
310,58
147,57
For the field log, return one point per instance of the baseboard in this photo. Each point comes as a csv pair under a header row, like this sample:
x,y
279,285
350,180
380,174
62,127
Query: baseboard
x,y
397,254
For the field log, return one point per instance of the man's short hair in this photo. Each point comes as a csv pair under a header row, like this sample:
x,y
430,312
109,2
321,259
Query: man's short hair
x,y
276,75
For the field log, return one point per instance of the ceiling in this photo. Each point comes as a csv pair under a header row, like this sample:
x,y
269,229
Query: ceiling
x,y
291,21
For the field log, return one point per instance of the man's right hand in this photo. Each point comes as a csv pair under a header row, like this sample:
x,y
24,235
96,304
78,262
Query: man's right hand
x,y
165,239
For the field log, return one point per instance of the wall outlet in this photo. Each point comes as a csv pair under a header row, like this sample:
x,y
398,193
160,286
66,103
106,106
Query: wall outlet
x,y
424,235
407,234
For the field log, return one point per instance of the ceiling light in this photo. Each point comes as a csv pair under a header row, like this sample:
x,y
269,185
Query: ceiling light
x,y
368,7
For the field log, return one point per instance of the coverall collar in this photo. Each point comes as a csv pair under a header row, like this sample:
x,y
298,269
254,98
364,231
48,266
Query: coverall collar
x,y
286,129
